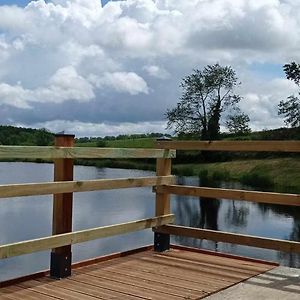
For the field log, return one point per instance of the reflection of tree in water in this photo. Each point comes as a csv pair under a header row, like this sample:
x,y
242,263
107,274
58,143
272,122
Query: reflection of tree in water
x,y
237,214
204,213
203,216
292,259
209,209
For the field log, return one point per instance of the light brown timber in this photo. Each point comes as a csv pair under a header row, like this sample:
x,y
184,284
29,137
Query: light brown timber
x,y
63,202
47,152
270,146
29,189
60,240
234,238
230,194
162,203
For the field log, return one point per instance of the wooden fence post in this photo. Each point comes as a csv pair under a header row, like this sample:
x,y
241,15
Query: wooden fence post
x,y
61,258
162,203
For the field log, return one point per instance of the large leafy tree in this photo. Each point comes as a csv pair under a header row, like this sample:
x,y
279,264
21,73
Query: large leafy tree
x,y
206,95
290,108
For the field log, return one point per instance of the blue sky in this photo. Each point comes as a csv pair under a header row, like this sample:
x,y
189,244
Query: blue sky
x,y
105,71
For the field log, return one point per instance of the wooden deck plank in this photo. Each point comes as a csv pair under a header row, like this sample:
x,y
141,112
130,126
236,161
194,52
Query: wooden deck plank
x,y
175,275
210,273
235,268
145,283
88,289
47,289
123,287
170,274
232,263
155,277
17,293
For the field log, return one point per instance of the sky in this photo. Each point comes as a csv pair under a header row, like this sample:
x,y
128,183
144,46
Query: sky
x,y
97,68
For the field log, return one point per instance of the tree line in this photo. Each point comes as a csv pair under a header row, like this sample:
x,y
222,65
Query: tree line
x,y
10,135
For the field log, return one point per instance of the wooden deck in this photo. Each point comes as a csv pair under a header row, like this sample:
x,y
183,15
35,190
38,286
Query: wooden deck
x,y
175,274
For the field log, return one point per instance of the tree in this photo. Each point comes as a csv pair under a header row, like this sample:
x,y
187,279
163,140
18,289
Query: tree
x,y
290,108
206,95
238,122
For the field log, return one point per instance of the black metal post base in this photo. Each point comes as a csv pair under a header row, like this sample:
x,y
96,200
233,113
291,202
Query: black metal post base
x,y
161,242
60,265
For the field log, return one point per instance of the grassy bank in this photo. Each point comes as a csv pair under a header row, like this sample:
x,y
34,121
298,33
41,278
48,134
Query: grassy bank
x,y
278,174
126,143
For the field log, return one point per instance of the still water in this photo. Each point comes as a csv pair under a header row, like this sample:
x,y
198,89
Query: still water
x,y
30,217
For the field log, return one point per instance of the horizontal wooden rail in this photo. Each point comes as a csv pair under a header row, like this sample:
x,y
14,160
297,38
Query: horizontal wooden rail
x,y
272,146
64,239
242,195
43,152
30,189
234,238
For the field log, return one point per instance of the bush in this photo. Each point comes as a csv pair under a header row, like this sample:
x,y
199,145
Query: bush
x,y
257,179
220,175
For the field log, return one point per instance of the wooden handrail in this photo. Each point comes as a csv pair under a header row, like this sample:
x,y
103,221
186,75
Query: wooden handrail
x,y
234,238
242,195
46,152
256,146
69,238
45,188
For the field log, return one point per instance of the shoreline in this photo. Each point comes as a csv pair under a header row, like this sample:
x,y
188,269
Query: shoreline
x,y
278,175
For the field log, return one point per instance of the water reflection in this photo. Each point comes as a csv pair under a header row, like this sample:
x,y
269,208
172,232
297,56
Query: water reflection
x,y
274,221
22,219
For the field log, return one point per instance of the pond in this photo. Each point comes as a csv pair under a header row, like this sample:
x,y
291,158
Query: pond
x,y
31,217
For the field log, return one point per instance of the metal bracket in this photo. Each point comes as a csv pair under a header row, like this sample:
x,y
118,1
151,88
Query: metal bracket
x,y
60,265
161,242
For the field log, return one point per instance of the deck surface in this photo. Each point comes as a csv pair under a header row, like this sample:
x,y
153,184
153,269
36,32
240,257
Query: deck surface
x,y
176,274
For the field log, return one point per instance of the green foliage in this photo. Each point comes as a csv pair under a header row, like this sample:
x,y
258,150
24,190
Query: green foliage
x,y
238,123
121,141
10,135
184,171
219,175
290,108
206,94
100,143
292,71
291,111
257,178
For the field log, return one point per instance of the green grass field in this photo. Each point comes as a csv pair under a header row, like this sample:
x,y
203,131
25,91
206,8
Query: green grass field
x,y
128,143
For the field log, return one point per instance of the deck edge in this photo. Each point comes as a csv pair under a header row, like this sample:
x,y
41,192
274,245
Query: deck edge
x,y
102,258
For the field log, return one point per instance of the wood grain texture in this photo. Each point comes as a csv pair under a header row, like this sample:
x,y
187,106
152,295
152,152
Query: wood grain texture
x,y
260,146
29,189
174,275
63,202
162,202
234,238
230,194
64,239
46,152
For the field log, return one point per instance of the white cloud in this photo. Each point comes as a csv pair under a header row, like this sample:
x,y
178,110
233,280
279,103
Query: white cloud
x,y
157,72
121,82
260,101
60,50
82,129
64,85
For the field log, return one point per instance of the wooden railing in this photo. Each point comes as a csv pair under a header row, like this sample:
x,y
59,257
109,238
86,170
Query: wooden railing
x,y
64,186
254,196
